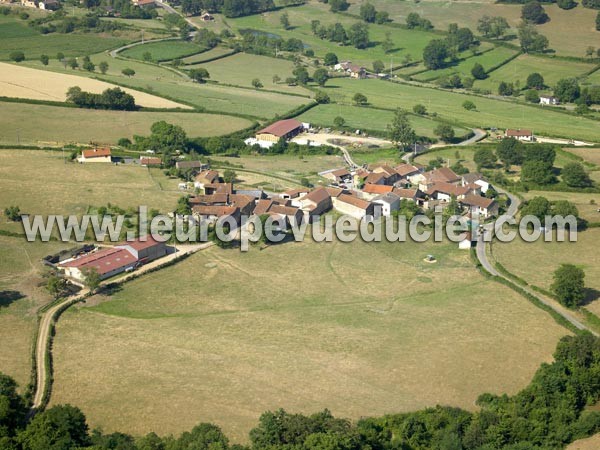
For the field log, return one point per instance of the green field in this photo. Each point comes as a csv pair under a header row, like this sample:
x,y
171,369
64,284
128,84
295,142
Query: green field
x,y
448,105
242,68
361,329
208,54
519,69
164,50
488,60
38,124
368,118
406,42
594,78
17,35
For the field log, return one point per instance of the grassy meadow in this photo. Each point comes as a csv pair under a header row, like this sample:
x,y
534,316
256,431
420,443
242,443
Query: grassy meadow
x,y
208,54
489,112
229,336
164,50
43,124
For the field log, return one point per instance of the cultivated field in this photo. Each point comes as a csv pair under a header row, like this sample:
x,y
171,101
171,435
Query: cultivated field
x,y
24,82
448,105
242,68
519,69
164,50
368,118
230,336
42,124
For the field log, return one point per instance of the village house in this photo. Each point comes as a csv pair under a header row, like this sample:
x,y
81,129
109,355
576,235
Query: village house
x,y
218,188
95,155
146,161
50,5
282,129
475,178
212,213
413,195
146,4
548,100
195,166
376,178
314,203
206,16
441,175
521,135
373,190
291,194
391,176
338,176
29,3
113,261
356,71
286,213
406,170
353,206
445,191
206,177
485,207
387,203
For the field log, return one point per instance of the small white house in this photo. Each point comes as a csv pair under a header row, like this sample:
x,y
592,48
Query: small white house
x,y
388,203
95,155
548,100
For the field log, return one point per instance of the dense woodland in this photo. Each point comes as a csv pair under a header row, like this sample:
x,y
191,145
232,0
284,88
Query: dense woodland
x,y
548,414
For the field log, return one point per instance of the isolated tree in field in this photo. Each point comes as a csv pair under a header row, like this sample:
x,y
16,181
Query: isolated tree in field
x,y
478,72
566,4
256,83
301,74
322,97
199,74
13,213
229,176
338,5
569,285
359,99
505,89
60,56
589,52
321,76
276,79
368,12
510,152
89,66
91,278
400,130
387,44
567,90
532,96
147,56
535,80
128,72
420,109
284,20
358,35
382,17
435,54
445,132
17,56
330,59
530,40
44,59
103,67
469,105
533,12
574,175
485,158
339,121
378,66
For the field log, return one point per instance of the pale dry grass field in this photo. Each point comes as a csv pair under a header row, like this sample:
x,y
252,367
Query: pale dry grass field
x,y
586,208
591,443
589,154
362,329
24,82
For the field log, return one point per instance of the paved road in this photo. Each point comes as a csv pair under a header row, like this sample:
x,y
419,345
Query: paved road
x,y
487,265
45,324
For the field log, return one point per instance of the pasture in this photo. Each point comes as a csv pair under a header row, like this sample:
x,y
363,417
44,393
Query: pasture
x,y
518,70
208,54
591,155
368,118
463,68
587,210
240,69
25,82
163,50
229,337
42,124
489,112
18,35
406,42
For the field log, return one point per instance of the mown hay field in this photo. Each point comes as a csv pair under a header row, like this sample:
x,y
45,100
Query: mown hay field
x,y
25,82
360,328
43,124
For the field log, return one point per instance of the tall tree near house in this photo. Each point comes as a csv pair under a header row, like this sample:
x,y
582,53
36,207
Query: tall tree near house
x,y
91,278
400,130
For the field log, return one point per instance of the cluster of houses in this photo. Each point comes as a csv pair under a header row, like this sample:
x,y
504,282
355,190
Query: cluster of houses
x,y
111,261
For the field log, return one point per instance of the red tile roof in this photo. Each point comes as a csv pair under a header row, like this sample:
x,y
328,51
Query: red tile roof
x,y
96,153
447,188
138,244
443,174
518,133
150,161
377,188
215,210
103,261
282,127
354,201
477,200
406,169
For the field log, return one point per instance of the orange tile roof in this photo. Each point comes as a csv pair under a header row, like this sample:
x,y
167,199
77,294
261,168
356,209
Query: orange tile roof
x,y
96,153
282,127
377,188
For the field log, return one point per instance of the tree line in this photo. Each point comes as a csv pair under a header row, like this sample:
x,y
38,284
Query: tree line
x,y
114,98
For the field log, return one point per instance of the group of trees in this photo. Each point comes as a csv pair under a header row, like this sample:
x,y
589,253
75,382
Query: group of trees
x,y
369,14
438,51
230,8
265,43
530,39
357,35
113,98
549,413
567,90
414,20
533,12
493,27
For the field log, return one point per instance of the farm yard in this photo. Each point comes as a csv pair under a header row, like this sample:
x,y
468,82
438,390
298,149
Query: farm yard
x,y
43,124
24,82
448,105
223,344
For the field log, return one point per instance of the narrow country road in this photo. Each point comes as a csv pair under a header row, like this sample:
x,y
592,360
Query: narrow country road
x,y
44,337
487,265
